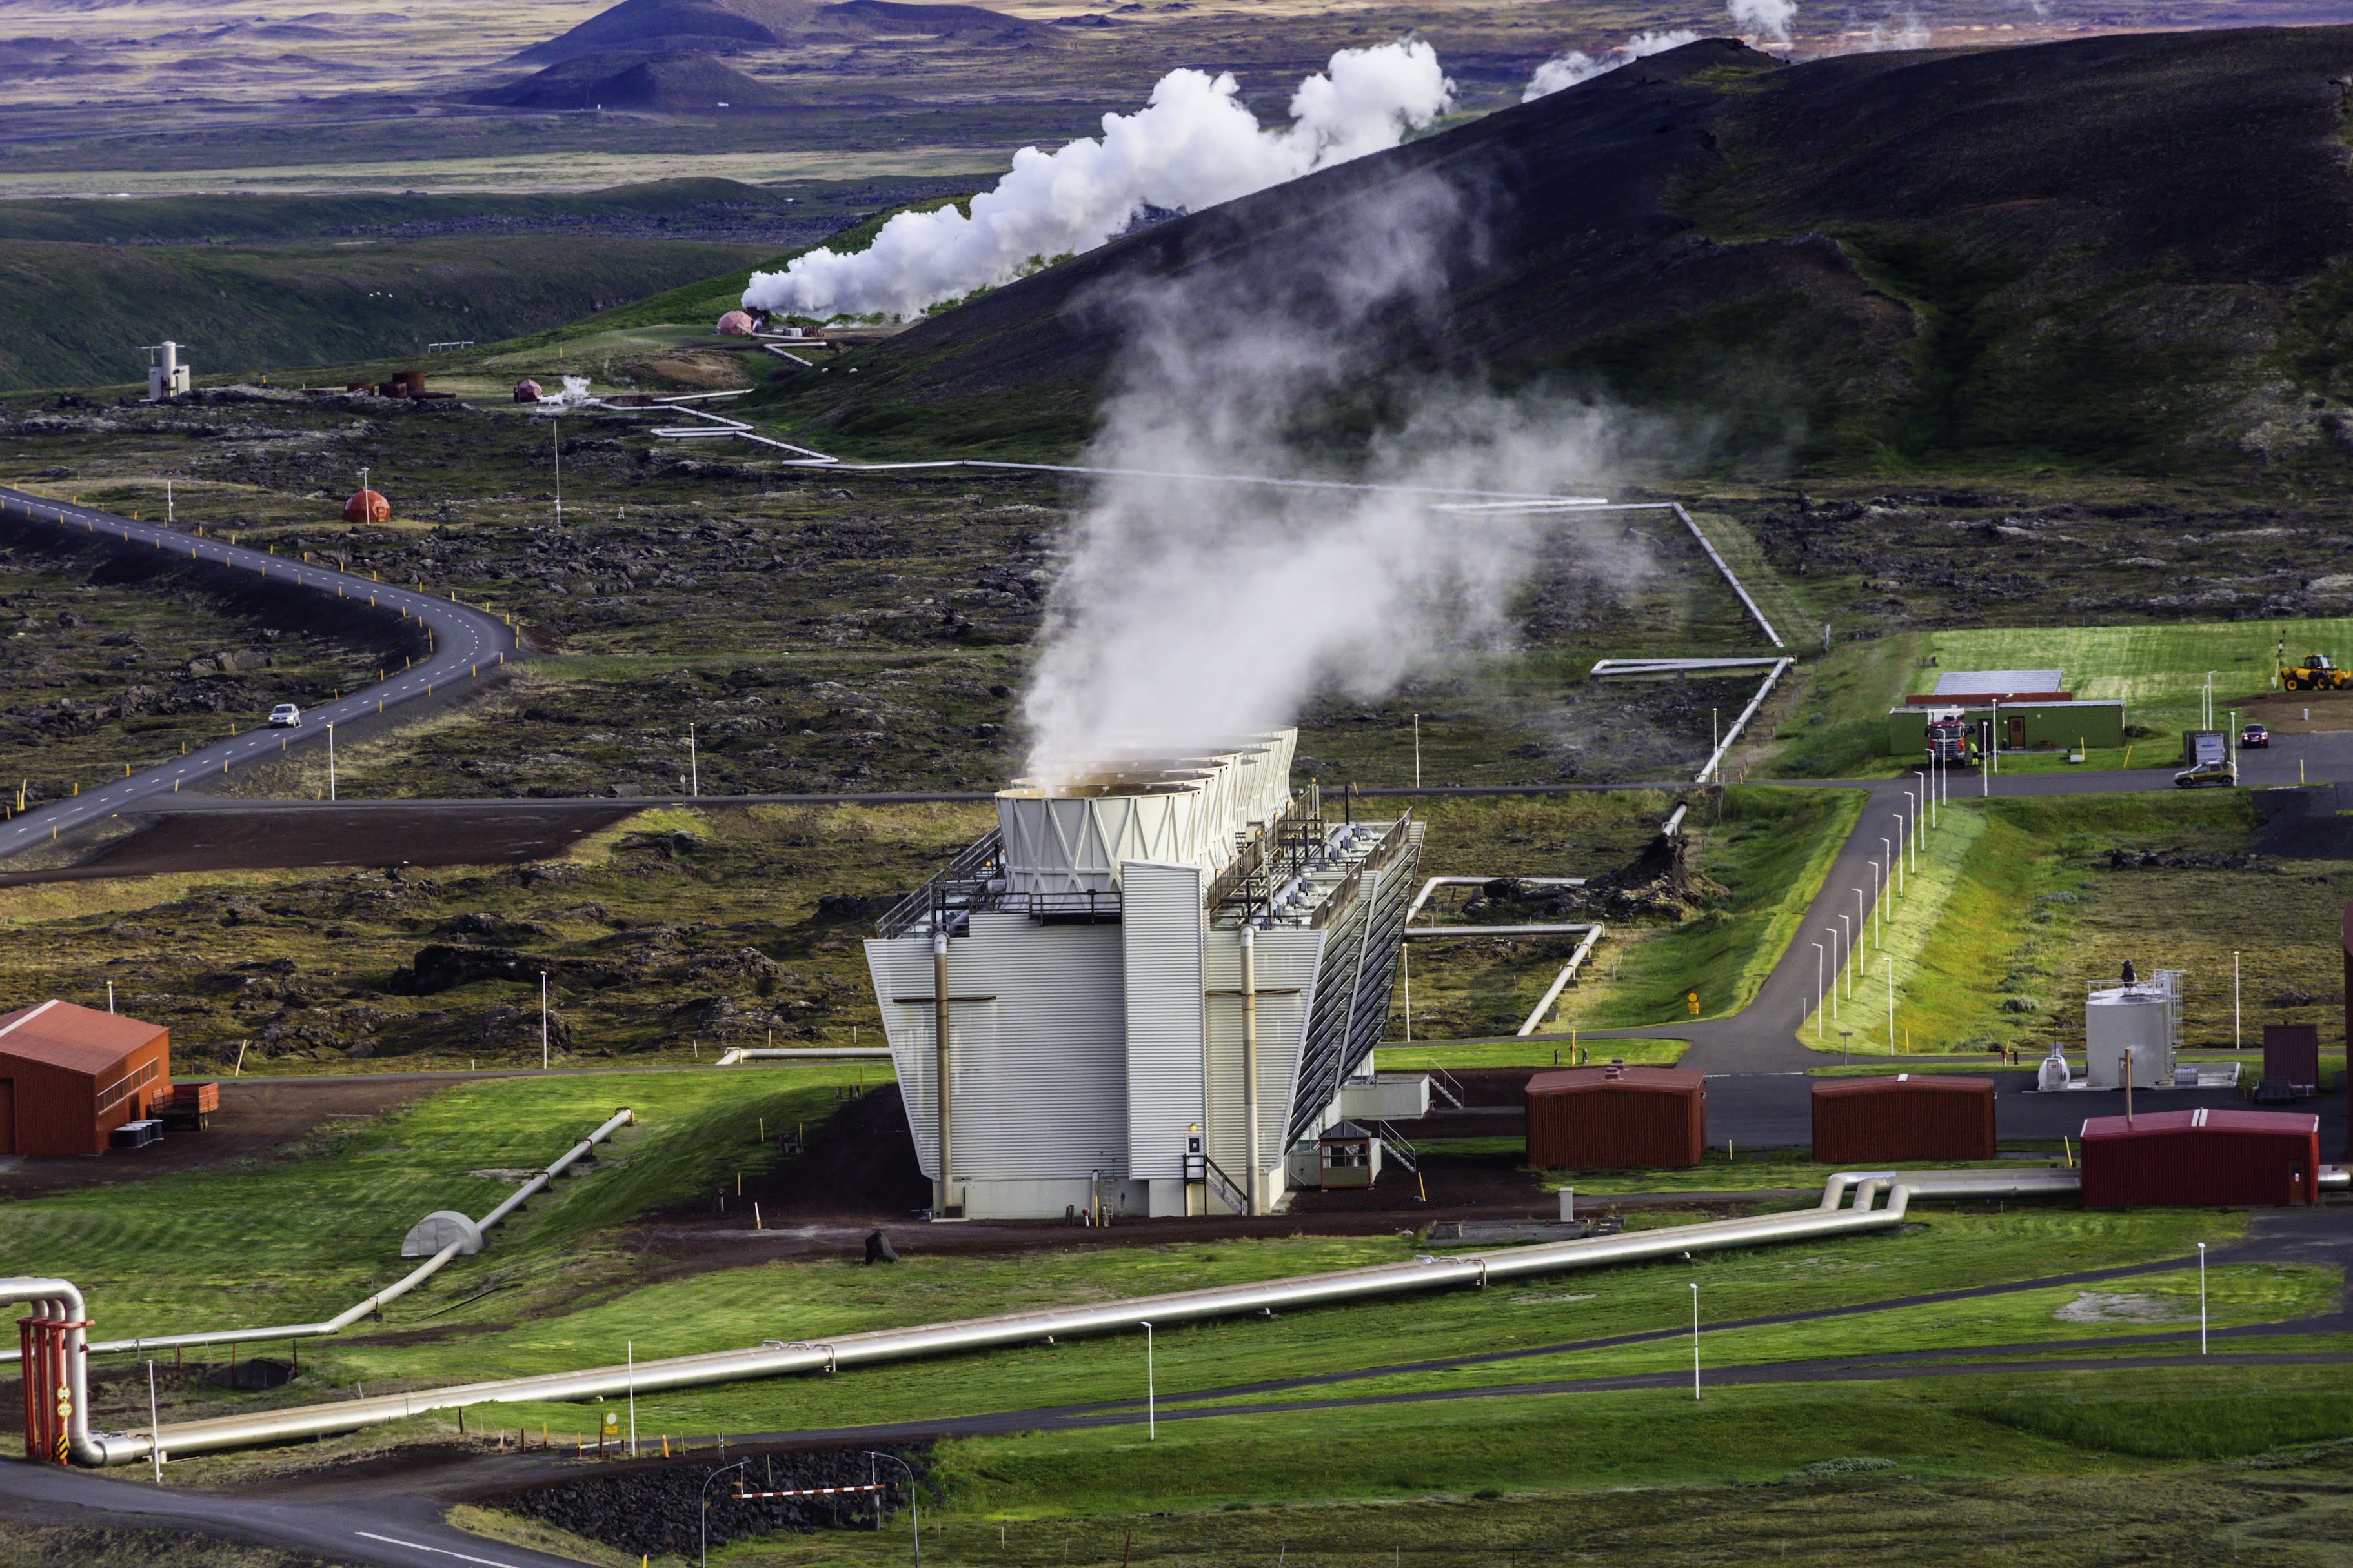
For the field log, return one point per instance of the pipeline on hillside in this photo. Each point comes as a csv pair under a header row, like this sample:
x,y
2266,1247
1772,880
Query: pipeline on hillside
x,y
350,1315
775,1358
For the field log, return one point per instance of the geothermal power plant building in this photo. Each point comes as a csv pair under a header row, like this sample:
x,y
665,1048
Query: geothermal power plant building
x,y
1160,973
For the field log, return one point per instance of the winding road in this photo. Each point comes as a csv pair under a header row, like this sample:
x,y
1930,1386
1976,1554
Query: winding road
x,y
1763,1036
466,643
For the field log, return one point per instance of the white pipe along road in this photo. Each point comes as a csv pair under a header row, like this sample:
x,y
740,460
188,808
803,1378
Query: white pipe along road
x,y
777,1358
465,643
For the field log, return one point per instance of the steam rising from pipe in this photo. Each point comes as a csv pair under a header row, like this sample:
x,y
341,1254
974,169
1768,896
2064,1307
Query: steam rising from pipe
x,y
1189,610
1576,66
1194,145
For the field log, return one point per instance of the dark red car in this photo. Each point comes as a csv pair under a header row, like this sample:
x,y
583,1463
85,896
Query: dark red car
x,y
2255,735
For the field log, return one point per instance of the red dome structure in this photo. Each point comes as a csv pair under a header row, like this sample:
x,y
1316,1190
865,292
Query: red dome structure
x,y
367,505
526,391
736,324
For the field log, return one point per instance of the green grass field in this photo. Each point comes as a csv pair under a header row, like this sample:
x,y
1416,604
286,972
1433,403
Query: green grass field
x,y
1838,728
2016,908
1769,851
574,1284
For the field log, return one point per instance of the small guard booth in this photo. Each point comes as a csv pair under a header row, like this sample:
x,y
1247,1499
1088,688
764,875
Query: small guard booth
x,y
1903,1116
2196,1158
69,1076
1615,1118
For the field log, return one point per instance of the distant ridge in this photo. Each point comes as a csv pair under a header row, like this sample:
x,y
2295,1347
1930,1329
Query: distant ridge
x,y
2128,251
659,26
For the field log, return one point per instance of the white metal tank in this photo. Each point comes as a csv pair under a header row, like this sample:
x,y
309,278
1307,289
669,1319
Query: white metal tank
x,y
2139,1024
2054,1074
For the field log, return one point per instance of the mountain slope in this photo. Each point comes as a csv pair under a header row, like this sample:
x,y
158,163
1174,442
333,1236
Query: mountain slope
x,y
2127,251
653,27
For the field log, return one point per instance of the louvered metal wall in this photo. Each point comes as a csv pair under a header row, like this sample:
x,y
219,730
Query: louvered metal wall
x,y
1352,991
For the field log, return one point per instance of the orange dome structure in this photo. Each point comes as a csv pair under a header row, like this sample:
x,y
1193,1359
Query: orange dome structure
x,y
367,505
736,324
526,391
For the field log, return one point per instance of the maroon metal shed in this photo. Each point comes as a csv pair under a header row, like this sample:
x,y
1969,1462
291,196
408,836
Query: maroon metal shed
x,y
1615,1118
2189,1159
2291,1055
69,1076
1906,1115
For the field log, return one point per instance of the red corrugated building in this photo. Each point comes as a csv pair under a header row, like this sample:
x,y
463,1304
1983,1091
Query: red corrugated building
x,y
69,1076
1908,1116
1615,1118
2189,1159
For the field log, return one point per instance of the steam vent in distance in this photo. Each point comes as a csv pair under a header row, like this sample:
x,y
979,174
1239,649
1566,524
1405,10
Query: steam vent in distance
x,y
1164,970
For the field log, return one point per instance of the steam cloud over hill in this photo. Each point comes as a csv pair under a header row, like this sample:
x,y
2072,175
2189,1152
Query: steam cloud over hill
x,y
1194,145
1194,609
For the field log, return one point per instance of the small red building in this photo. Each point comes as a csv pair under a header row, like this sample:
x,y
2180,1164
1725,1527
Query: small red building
x,y
1906,1115
2190,1158
1615,1118
69,1076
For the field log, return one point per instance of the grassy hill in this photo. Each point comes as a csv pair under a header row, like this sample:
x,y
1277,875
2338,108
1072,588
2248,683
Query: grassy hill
x,y
1931,261
286,282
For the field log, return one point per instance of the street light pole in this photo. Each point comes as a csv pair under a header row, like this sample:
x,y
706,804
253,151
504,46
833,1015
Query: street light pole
x,y
702,1523
2236,1040
330,758
2202,1298
630,1349
693,764
1847,972
1694,1290
1151,1415
1879,891
1834,970
914,1507
1818,994
543,1020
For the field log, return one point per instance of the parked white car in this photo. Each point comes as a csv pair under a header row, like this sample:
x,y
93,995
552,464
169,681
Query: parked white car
x,y
286,716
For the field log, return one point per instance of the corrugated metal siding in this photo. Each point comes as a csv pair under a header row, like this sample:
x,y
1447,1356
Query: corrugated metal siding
x,y
1616,1126
57,1108
1160,946
2164,1161
1287,961
1859,1122
1041,1072
2291,1053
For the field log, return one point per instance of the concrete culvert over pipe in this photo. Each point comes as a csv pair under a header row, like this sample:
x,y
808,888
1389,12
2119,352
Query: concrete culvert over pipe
x,y
777,1358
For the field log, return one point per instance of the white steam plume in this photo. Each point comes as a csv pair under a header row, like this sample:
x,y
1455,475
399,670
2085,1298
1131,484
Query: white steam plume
x,y
1194,145
1190,611
1766,20
1576,66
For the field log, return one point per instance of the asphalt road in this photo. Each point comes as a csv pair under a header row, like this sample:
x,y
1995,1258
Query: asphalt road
x,y
465,643
391,1531
1762,1038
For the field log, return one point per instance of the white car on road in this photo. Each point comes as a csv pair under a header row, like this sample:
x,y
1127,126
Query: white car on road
x,y
286,716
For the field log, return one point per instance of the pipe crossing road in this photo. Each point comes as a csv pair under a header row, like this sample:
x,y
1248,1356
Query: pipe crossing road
x,y
465,642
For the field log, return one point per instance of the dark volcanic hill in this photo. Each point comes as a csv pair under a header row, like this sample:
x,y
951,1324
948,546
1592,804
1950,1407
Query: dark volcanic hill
x,y
679,81
657,27
2130,251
